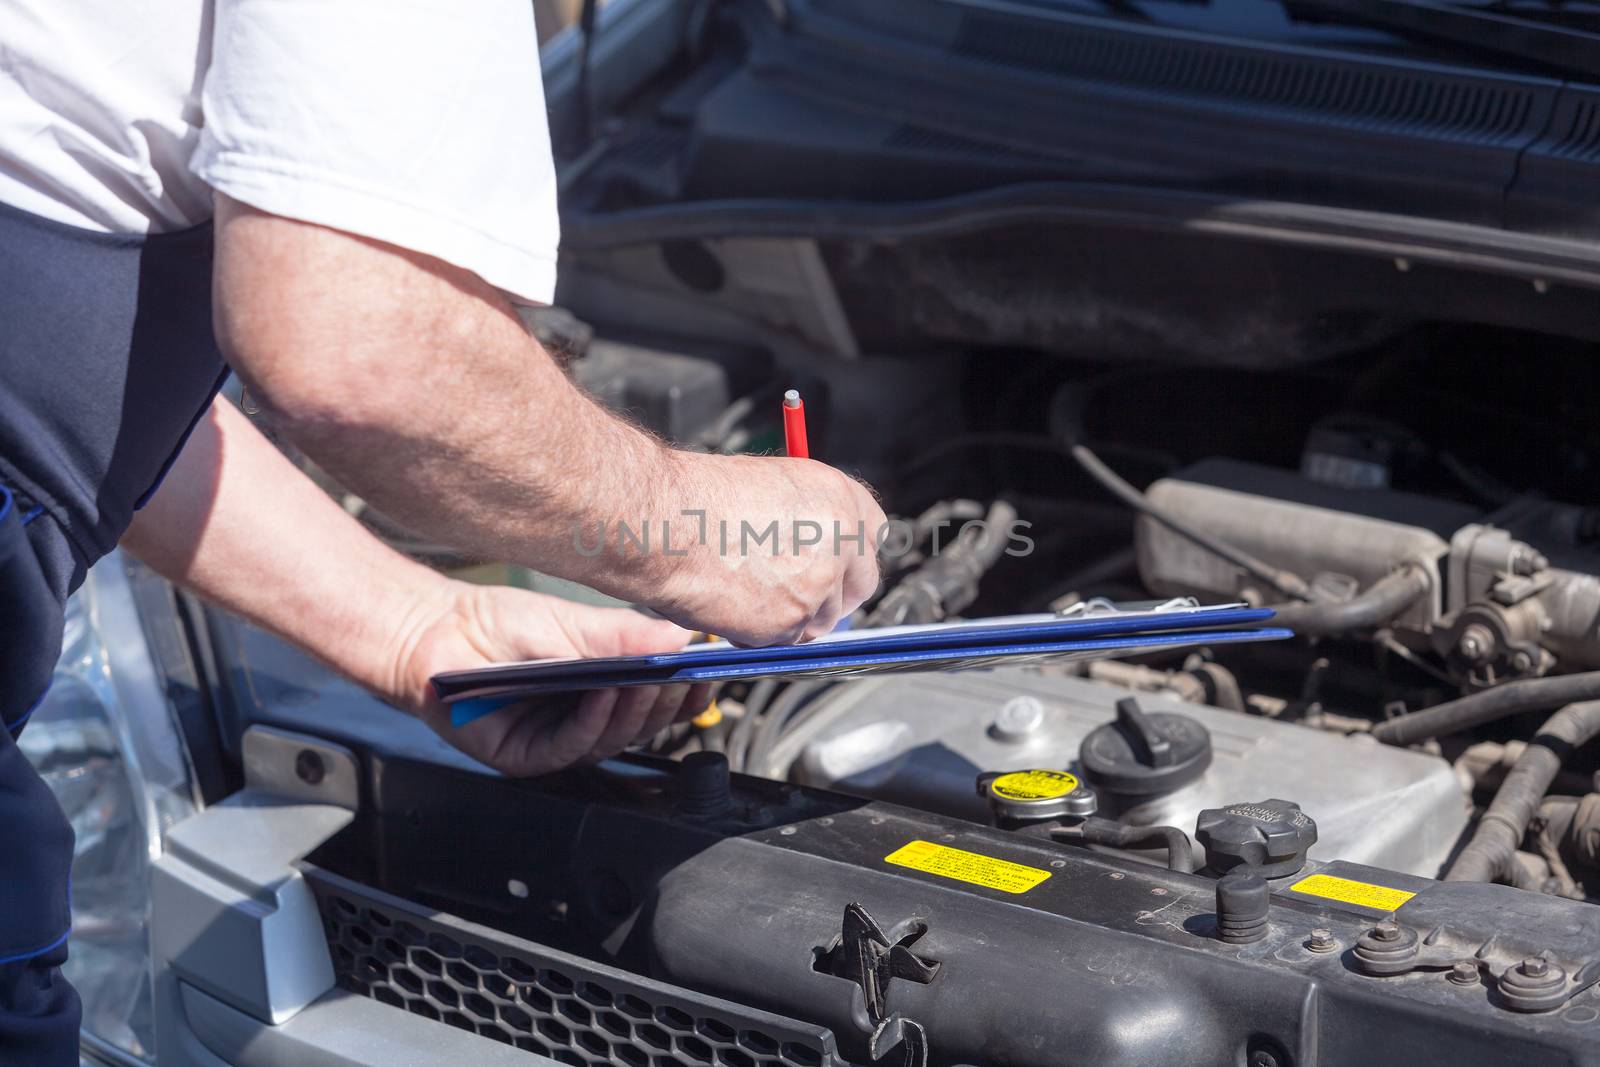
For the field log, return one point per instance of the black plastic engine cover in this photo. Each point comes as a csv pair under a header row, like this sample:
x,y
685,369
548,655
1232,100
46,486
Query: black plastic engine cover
x,y
1004,948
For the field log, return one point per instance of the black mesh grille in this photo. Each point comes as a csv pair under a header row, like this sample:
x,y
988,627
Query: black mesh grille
x,y
572,1010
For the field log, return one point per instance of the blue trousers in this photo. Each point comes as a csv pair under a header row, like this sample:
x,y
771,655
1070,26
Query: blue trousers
x,y
39,1011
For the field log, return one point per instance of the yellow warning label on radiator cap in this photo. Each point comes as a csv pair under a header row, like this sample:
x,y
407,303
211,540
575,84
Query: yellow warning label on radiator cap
x,y
1033,785
970,867
1350,891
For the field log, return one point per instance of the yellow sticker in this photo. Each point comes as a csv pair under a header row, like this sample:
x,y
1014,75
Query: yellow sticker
x,y
1346,891
1033,785
966,866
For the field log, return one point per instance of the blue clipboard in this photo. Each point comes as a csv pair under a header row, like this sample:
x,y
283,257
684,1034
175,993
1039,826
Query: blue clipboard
x,y
962,646
1017,629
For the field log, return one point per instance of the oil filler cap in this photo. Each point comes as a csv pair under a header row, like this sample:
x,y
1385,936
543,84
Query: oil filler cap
x,y
1270,837
1145,753
1033,795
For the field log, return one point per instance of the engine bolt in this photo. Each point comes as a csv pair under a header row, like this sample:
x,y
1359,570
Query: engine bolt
x,y
1475,643
1463,973
1528,561
1386,931
1322,941
1536,967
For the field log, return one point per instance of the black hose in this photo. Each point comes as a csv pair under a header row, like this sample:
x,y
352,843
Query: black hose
x,y
946,583
1286,582
1501,702
1378,604
946,511
1490,854
1113,834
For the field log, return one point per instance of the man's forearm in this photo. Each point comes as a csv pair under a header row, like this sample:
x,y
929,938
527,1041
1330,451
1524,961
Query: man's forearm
x,y
236,522
418,384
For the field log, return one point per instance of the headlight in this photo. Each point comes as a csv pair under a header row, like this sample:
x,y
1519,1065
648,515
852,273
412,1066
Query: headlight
x,y
106,742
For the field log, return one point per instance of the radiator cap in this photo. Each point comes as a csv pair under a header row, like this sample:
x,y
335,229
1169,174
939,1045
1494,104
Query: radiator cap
x,y
1144,754
1020,797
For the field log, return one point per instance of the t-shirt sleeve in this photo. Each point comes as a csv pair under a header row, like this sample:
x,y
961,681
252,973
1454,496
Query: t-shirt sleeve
x,y
416,122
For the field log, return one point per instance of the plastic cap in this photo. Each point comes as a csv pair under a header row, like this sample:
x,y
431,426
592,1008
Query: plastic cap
x,y
1243,902
1144,753
1270,837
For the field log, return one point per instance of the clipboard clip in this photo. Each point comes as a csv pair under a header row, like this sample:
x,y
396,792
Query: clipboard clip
x,y
1100,605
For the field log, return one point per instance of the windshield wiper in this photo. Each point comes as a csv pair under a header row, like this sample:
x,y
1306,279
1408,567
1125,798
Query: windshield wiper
x,y
1559,49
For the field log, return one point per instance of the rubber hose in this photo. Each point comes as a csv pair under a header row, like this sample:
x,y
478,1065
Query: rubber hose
x,y
777,719
1378,604
1488,856
997,534
744,729
1501,702
946,511
948,582
1113,834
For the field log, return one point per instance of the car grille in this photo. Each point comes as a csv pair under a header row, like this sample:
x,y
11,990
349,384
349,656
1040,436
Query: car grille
x,y
573,1010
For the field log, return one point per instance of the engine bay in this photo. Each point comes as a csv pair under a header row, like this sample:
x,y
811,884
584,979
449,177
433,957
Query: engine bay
x,y
1392,818
1376,840
1369,499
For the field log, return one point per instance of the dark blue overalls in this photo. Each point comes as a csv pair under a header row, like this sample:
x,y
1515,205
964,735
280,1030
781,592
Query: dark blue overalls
x,y
106,362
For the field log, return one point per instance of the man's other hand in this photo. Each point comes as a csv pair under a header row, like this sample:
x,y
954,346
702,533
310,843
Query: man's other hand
x,y
467,626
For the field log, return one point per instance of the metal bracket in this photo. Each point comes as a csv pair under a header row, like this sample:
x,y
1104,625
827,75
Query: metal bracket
x,y
299,767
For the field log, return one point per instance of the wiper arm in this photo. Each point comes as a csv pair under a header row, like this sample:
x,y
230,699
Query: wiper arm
x,y
1491,33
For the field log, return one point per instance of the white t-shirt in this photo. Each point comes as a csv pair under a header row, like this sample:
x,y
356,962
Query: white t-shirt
x,y
416,122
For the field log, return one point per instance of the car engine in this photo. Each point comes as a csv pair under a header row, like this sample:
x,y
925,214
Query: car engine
x,y
1377,841
1492,598
1413,577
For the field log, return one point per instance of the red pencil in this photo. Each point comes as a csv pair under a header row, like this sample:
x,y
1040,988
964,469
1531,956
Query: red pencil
x,y
794,425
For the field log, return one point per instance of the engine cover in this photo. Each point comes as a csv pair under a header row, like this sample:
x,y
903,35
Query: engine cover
x,y
802,928
921,741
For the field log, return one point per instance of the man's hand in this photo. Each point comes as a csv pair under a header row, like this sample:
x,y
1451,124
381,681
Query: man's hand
x,y
466,626
789,549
